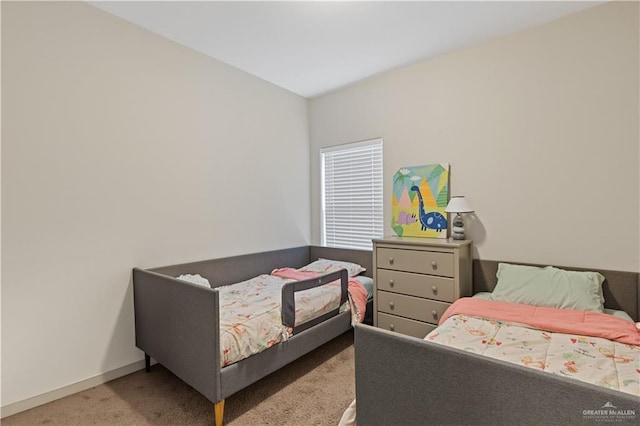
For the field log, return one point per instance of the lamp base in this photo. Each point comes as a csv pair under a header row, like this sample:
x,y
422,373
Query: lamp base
x,y
458,235
457,230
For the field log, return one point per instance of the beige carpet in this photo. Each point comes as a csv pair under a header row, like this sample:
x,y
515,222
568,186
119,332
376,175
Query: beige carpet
x,y
314,390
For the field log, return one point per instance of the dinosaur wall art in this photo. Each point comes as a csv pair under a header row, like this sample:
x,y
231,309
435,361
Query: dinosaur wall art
x,y
420,195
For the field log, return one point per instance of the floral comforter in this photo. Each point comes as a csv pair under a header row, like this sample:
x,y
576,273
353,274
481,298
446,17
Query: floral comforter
x,y
595,360
251,318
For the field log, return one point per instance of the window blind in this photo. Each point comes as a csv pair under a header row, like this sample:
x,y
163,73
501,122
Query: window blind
x,y
352,194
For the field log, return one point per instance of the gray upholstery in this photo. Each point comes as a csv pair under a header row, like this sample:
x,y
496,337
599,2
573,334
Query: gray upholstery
x,y
171,315
402,380
234,269
176,322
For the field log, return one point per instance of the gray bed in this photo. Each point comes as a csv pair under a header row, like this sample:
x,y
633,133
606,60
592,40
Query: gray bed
x,y
176,323
401,380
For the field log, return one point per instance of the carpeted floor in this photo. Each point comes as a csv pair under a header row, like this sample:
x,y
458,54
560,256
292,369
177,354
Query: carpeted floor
x,y
314,390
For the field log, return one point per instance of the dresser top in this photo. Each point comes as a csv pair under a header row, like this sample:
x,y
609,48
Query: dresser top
x,y
421,241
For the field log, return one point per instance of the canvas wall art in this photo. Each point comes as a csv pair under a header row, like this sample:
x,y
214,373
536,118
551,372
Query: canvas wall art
x,y
420,195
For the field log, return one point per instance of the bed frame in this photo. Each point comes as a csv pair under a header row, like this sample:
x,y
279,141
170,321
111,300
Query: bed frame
x,y
176,322
402,380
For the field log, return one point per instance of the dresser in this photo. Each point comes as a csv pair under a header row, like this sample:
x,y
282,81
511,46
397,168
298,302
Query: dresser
x,y
416,280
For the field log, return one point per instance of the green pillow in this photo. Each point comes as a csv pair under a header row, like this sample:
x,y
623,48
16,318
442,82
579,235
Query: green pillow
x,y
550,287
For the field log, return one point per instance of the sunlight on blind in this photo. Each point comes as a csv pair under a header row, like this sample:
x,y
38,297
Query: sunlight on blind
x,y
352,194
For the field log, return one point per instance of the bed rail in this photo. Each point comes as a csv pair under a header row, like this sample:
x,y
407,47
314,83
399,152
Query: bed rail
x,y
289,303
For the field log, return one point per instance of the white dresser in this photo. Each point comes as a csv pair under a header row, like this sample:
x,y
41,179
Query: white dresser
x,y
416,280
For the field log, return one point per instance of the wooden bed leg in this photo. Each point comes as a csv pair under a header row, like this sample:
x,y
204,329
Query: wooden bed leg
x,y
218,411
147,363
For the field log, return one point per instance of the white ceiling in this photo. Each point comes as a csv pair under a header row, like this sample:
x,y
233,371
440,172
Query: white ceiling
x,y
311,48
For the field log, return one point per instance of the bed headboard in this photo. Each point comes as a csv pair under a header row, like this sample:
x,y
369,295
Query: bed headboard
x,y
229,270
233,269
620,288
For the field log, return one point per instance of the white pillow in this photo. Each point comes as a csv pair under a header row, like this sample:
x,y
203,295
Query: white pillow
x,y
195,279
325,266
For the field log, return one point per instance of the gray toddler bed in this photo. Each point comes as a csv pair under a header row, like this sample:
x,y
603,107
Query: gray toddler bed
x,y
176,323
402,380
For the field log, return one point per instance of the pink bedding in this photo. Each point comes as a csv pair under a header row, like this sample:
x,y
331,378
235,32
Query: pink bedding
x,y
566,321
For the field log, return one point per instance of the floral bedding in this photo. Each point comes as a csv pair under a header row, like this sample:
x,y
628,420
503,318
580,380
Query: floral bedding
x,y
591,359
250,314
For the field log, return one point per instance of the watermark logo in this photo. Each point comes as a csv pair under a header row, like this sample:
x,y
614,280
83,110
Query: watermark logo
x,y
609,413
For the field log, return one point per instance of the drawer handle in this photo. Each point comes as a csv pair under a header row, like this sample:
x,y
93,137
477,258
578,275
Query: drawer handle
x,y
434,289
391,305
392,327
391,260
435,314
434,264
391,283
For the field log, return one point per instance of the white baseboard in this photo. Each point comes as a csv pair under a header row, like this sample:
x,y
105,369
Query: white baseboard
x,y
26,404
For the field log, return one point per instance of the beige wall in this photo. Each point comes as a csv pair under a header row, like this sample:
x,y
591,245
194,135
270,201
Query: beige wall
x,y
122,149
540,129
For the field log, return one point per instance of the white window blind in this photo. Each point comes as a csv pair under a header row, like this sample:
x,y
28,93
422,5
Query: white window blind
x,y
352,194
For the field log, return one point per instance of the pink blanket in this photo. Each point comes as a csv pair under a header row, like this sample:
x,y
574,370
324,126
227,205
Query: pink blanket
x,y
565,321
357,292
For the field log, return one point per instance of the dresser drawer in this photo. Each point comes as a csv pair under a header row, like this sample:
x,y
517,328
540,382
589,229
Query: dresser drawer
x,y
429,286
420,261
405,326
411,307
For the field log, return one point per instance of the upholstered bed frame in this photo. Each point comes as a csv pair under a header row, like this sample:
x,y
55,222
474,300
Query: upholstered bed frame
x,y
402,380
176,323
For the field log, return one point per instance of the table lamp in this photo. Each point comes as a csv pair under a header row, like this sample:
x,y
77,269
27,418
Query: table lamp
x,y
458,204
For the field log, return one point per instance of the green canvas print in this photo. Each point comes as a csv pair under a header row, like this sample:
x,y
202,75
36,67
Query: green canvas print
x,y
420,195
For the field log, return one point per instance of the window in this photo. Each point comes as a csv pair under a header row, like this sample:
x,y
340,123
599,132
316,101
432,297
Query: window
x,y
352,194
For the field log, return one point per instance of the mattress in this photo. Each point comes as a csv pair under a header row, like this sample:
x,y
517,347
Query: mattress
x,y
590,359
251,319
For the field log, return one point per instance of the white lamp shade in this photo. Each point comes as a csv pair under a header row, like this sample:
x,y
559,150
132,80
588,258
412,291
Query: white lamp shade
x,y
458,204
